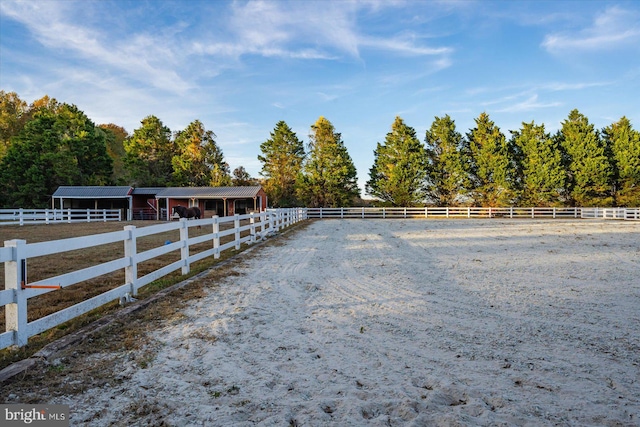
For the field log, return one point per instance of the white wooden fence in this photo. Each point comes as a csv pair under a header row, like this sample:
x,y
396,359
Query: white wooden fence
x,y
475,212
16,253
47,216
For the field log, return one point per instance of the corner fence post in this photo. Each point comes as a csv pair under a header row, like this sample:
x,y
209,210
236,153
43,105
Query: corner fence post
x,y
15,275
184,249
236,226
130,251
216,236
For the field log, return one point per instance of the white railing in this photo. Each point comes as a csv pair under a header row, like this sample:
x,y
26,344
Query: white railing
x,y
16,253
629,214
47,216
474,212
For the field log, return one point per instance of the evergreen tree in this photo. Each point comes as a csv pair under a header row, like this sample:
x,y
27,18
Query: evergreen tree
x,y
489,164
399,170
196,153
282,158
589,168
624,144
539,166
329,178
448,176
53,149
149,152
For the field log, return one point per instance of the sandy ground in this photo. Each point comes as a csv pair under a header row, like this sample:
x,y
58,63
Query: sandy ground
x,y
402,322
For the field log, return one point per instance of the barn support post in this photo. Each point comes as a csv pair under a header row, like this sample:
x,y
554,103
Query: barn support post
x,y
216,236
236,226
130,251
184,249
15,276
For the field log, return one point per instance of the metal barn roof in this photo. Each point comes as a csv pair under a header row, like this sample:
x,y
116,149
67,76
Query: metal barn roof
x,y
210,192
93,192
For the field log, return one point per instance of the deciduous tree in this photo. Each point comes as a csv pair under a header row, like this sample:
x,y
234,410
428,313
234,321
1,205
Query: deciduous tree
x,y
53,149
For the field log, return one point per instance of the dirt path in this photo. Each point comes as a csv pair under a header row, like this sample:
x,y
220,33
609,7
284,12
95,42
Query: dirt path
x,y
398,322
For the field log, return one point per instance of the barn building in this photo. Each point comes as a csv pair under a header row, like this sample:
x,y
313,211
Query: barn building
x,y
156,202
221,201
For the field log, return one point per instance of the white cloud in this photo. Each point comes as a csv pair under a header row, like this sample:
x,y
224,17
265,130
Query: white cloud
x,y
143,57
614,28
528,104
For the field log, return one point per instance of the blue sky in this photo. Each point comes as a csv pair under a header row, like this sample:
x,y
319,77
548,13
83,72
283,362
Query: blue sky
x,y
241,66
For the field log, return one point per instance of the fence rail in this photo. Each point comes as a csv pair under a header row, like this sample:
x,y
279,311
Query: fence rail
x,y
47,216
244,229
475,212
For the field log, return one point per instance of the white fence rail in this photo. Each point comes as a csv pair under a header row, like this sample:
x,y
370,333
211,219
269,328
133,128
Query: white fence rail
x,y
475,212
16,253
47,216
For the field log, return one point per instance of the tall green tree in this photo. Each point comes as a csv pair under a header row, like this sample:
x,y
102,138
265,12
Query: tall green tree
x,y
196,154
149,153
242,178
541,173
282,159
12,118
589,167
399,171
624,145
329,178
490,164
447,166
115,136
53,149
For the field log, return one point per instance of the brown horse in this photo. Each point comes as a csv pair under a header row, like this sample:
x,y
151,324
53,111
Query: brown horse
x,y
183,212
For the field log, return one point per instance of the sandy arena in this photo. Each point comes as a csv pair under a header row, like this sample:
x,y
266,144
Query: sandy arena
x,y
402,322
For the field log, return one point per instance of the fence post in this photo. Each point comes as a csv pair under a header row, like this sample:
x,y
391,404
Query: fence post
x,y
511,212
15,275
88,215
216,236
533,212
69,215
184,249
236,225
252,221
447,211
130,251
554,213
21,215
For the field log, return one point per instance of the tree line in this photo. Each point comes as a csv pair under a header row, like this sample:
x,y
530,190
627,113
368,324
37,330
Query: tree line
x,y
47,144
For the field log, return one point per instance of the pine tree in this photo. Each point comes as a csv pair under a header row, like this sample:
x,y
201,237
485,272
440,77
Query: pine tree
x,y
590,171
148,154
490,164
448,176
282,158
399,170
624,145
329,178
539,166
195,155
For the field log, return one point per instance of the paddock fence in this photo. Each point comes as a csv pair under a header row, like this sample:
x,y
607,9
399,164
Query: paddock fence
x,y
48,216
15,255
475,212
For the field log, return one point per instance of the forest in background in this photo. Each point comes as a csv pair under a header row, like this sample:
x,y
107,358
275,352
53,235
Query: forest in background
x,y
47,144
